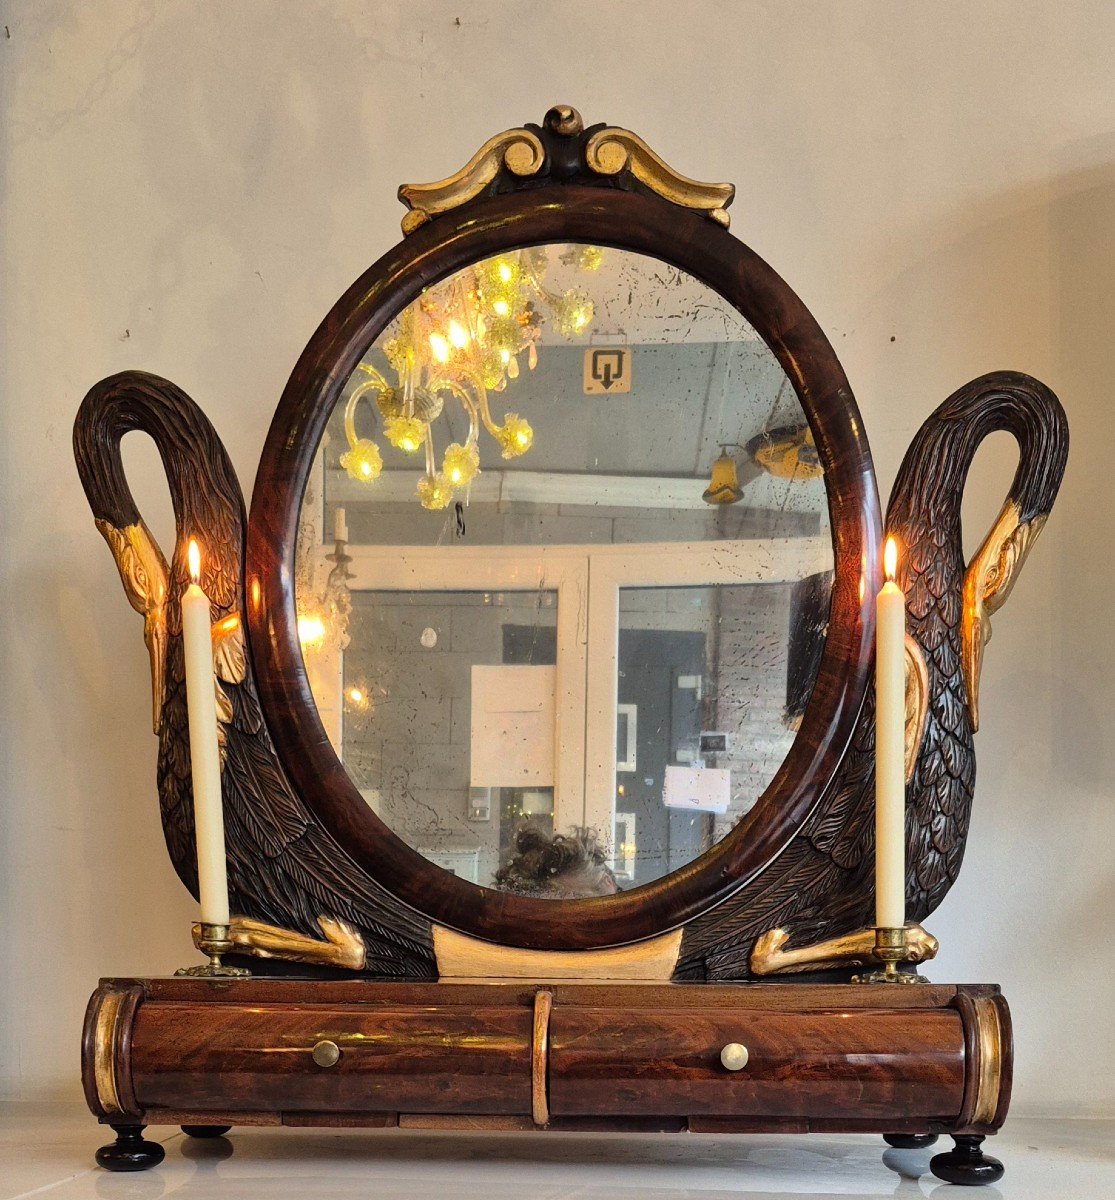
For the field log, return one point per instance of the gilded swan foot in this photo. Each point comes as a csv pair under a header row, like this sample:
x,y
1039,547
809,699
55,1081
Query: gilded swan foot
x,y
768,957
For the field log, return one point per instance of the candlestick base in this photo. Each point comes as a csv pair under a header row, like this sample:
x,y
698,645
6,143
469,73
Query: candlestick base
x,y
214,941
890,949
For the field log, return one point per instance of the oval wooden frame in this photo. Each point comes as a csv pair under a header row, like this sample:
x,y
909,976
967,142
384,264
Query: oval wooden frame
x,y
690,241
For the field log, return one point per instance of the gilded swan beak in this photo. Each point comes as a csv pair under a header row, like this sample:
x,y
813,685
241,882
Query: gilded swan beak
x,y
988,581
146,578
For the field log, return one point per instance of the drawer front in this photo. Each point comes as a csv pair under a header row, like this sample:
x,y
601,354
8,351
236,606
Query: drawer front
x,y
865,1064
222,1057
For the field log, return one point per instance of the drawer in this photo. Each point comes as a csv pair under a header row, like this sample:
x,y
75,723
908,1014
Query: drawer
x,y
859,1064
416,1059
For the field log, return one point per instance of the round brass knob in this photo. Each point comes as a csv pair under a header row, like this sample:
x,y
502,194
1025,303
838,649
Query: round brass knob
x,y
734,1056
326,1054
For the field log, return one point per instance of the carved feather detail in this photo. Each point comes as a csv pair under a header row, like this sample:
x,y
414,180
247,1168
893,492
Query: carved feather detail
x,y
821,887
283,868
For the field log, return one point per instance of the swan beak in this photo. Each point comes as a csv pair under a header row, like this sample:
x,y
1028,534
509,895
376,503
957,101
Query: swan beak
x,y
988,581
155,639
975,632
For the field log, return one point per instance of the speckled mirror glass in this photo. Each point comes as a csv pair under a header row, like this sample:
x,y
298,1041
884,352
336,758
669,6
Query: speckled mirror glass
x,y
564,571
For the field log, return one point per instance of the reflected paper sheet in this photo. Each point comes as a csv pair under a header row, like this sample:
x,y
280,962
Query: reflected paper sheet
x,y
705,789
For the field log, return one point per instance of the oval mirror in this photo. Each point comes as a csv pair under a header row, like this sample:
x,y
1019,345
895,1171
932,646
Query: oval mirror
x,y
564,571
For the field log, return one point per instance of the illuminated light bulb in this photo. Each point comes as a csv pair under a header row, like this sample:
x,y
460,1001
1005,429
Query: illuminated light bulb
x,y
439,347
515,436
362,461
504,271
573,313
405,433
458,335
357,697
435,492
311,630
505,356
589,258
461,464
501,308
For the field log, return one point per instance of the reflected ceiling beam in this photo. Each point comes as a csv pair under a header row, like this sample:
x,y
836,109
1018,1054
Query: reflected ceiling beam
x,y
653,492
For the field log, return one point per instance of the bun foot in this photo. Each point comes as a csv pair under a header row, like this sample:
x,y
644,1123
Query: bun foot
x,y
130,1152
966,1164
205,1131
909,1141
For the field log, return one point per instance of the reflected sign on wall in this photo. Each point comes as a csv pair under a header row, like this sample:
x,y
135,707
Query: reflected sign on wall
x,y
607,370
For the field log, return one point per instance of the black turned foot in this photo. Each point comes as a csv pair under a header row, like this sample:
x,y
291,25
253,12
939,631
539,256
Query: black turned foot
x,y
909,1141
205,1131
966,1163
130,1152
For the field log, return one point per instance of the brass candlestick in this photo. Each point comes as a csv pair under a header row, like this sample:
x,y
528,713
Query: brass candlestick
x,y
214,941
890,949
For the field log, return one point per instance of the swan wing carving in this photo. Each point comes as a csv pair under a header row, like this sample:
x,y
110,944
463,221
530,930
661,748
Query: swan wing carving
x,y
293,891
802,911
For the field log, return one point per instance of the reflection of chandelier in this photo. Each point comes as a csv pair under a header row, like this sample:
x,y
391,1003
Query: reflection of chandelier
x,y
459,341
323,609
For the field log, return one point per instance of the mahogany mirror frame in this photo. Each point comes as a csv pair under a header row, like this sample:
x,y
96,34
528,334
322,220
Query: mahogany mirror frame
x,y
690,241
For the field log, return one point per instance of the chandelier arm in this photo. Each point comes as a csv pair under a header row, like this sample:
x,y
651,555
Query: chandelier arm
x,y
485,411
431,465
376,383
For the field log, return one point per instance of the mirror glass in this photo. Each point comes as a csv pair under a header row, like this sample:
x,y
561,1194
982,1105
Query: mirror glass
x,y
564,571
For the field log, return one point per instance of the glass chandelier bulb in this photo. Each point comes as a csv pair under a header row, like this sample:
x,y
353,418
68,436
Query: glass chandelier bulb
x,y
461,464
439,347
515,436
405,433
362,461
458,335
435,492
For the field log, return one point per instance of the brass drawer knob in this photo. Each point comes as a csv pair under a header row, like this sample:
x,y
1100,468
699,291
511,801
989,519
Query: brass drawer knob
x,y
326,1054
734,1056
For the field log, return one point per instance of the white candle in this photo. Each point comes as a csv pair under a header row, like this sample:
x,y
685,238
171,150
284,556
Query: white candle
x,y
205,758
340,527
890,734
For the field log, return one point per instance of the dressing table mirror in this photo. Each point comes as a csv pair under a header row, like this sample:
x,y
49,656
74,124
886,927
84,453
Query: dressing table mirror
x,y
542,673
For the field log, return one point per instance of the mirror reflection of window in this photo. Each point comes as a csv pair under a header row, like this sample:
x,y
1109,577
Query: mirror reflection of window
x,y
567,518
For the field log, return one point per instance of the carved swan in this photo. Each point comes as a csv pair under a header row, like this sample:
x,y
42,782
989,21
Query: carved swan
x,y
812,907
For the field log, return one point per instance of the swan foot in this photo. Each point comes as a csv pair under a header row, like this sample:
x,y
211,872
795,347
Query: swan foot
x,y
769,957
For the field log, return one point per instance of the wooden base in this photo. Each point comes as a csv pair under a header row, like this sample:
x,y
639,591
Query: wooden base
x,y
907,1062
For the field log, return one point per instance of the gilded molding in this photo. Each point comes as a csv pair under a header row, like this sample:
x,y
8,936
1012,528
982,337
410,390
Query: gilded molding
x,y
105,1042
343,946
610,151
146,578
847,950
462,957
539,1058
520,151
988,581
989,1069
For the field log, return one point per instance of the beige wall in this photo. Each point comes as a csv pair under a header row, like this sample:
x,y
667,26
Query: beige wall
x,y
189,186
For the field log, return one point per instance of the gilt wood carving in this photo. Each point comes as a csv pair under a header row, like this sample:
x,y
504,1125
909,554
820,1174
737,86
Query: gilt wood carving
x,y
314,878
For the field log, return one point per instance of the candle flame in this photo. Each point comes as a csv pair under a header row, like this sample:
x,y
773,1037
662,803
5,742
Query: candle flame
x,y
193,558
890,559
